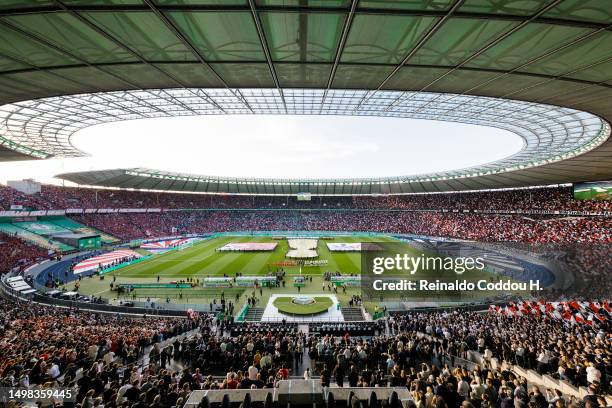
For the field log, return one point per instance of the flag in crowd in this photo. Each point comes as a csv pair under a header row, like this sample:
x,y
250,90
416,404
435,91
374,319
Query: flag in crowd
x,y
573,311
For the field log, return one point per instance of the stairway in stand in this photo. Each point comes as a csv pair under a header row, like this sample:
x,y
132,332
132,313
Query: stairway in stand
x,y
352,314
254,314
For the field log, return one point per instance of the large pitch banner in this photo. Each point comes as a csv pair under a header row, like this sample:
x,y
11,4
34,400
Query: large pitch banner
x,y
353,246
248,247
103,260
344,247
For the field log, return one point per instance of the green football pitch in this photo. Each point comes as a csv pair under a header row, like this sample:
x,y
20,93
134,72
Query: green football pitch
x,y
203,260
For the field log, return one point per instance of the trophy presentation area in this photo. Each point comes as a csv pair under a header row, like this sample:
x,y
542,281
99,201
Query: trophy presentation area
x,y
303,305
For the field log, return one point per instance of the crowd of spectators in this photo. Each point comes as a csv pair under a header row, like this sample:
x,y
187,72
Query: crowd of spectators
x,y
432,214
422,352
590,264
10,197
117,361
16,254
536,199
578,353
103,357
434,376
100,355
593,263
481,227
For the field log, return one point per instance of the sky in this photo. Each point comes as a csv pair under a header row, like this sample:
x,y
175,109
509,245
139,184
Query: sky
x,y
277,147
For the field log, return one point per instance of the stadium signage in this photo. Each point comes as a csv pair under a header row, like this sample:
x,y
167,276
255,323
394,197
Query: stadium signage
x,y
318,262
283,263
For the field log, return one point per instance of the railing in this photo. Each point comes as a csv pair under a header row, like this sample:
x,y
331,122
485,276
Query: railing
x,y
179,307
242,313
472,307
96,307
305,319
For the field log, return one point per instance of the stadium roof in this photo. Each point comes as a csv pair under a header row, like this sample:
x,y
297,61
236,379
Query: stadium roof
x,y
237,56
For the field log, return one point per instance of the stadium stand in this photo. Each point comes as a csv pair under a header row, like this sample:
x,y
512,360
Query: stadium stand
x,y
44,231
74,227
29,236
99,354
119,361
551,215
483,227
532,199
451,358
17,254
